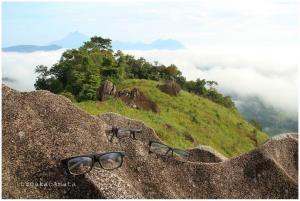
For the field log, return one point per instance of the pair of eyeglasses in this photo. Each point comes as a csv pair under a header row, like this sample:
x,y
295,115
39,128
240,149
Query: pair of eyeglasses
x,y
162,149
125,132
79,165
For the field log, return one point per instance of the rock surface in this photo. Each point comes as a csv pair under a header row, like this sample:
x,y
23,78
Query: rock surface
x,y
204,153
171,88
136,99
105,90
40,129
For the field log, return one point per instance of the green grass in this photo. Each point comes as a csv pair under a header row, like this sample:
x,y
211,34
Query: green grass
x,y
186,120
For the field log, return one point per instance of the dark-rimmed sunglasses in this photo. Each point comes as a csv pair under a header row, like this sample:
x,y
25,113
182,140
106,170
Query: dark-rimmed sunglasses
x,y
79,165
162,149
125,132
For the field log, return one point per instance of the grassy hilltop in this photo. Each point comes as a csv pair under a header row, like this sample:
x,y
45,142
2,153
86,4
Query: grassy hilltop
x,y
186,120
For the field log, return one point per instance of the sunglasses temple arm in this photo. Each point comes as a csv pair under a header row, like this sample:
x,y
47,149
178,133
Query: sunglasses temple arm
x,y
133,135
169,151
63,168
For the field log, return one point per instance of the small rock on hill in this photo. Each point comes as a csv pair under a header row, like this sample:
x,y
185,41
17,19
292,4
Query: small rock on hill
x,y
105,90
171,88
137,99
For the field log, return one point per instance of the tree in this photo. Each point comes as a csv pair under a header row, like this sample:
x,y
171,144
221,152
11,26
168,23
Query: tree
x,y
77,71
41,81
172,71
211,84
200,86
98,42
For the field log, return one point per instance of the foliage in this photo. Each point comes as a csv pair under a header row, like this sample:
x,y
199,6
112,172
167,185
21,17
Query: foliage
x,y
81,71
186,120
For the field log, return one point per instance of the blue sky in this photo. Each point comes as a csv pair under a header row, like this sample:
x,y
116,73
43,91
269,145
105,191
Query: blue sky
x,y
198,22
250,47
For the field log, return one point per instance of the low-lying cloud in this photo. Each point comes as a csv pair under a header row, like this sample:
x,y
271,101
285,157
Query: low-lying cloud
x,y
18,68
270,75
263,72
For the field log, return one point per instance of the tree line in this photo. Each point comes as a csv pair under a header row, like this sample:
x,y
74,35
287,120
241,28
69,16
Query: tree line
x,y
79,73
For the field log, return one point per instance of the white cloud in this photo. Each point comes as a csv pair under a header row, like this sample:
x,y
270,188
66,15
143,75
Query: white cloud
x,y
20,67
267,72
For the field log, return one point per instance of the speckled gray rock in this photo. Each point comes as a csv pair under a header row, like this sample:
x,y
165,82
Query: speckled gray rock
x,y
204,153
40,129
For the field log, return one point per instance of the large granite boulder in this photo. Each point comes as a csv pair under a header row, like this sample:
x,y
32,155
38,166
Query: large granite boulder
x,y
40,129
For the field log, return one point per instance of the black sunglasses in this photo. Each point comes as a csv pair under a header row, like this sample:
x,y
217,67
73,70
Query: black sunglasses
x,y
162,149
125,132
79,165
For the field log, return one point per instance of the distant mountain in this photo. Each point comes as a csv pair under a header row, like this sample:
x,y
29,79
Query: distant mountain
x,y
8,80
160,44
72,40
272,120
30,48
76,39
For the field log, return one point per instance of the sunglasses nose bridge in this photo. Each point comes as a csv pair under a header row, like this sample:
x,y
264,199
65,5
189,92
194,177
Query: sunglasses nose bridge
x,y
169,151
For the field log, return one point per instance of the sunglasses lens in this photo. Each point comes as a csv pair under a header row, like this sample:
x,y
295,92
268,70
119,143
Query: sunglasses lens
x,y
123,133
80,165
180,154
159,148
111,161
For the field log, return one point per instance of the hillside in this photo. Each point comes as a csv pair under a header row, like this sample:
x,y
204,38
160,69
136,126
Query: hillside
x,y
187,120
272,120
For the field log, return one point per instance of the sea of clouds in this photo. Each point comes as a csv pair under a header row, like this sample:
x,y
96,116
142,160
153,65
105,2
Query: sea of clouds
x,y
18,68
268,73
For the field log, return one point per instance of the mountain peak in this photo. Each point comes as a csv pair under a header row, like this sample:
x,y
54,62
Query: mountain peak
x,y
75,33
72,40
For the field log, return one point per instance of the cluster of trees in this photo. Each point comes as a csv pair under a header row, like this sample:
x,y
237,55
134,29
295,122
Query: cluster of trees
x,y
79,72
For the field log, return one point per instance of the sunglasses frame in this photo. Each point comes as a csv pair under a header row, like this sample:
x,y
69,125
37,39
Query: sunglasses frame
x,y
169,148
133,132
94,157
